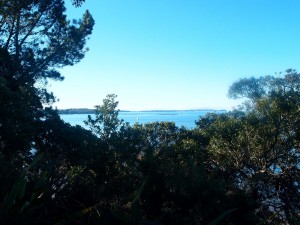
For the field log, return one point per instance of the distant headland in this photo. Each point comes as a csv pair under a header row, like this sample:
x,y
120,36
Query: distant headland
x,y
92,111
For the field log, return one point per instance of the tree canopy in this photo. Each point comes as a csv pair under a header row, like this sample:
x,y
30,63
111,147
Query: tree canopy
x,y
38,38
237,167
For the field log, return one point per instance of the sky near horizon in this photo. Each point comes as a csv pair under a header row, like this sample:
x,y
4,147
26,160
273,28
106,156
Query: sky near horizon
x,y
178,54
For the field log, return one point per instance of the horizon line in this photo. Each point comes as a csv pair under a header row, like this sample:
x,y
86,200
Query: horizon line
x,y
144,110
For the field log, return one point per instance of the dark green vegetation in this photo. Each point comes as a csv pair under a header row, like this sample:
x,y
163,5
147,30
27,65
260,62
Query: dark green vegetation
x,y
76,111
240,167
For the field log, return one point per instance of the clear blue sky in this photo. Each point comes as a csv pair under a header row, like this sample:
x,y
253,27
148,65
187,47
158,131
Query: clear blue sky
x,y
179,54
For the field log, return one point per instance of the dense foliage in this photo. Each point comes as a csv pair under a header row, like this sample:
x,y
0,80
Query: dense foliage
x,y
239,167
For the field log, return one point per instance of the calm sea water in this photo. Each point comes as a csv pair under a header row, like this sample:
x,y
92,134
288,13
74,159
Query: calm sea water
x,y
184,118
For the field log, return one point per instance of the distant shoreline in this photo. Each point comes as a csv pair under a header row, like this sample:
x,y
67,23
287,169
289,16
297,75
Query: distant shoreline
x,y
92,111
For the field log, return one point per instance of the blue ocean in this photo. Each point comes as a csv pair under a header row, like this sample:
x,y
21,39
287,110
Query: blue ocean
x,y
184,118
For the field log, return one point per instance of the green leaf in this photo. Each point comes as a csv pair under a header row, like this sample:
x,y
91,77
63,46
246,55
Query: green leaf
x,y
221,217
17,192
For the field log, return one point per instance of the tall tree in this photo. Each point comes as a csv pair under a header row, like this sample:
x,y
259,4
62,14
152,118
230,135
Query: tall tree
x,y
36,39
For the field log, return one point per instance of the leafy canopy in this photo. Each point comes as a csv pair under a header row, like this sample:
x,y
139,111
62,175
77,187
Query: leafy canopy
x,y
39,38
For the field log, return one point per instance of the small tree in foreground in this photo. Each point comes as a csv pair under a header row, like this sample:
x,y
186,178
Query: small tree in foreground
x,y
107,122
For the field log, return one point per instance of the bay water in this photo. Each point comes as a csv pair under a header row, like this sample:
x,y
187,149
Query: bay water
x,y
184,118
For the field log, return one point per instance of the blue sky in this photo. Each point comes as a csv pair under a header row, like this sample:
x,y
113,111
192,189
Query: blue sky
x,y
179,54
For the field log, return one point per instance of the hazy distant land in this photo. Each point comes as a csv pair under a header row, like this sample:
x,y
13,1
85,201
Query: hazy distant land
x,y
92,111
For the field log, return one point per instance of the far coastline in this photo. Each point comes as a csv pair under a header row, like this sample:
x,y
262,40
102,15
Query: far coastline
x,y
92,111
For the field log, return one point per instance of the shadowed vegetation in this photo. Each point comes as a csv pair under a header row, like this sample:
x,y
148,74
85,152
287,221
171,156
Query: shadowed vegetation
x,y
239,167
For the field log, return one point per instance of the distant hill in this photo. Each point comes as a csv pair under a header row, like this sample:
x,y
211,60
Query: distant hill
x,y
92,111
76,111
